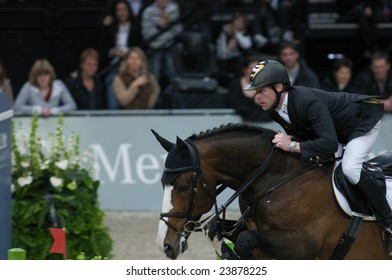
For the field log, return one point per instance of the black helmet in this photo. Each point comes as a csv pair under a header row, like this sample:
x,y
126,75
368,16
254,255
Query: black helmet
x,y
267,72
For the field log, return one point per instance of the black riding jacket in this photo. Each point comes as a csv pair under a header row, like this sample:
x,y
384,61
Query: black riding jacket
x,y
321,120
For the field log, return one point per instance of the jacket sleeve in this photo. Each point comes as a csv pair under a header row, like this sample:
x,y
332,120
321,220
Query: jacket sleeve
x,y
149,28
22,103
326,141
68,104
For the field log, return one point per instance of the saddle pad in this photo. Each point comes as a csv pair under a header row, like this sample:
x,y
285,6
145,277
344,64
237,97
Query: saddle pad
x,y
344,205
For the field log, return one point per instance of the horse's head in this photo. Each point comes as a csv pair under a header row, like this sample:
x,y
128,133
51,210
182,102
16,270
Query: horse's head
x,y
186,196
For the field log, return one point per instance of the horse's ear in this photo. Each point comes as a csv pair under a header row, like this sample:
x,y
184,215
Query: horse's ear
x,y
166,144
182,147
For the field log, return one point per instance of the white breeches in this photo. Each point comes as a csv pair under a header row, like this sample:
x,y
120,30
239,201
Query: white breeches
x,y
356,153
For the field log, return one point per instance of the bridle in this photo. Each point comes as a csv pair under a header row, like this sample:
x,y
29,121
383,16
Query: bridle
x,y
192,223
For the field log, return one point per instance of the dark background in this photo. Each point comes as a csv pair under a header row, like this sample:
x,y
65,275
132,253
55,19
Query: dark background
x,y
60,29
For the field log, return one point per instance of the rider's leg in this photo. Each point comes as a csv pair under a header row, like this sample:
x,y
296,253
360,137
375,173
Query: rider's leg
x,y
355,154
379,204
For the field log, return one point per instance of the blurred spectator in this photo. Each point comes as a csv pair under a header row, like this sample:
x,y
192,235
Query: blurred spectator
x,y
377,79
233,45
136,8
292,15
44,94
372,12
160,26
86,89
242,101
267,33
299,72
278,20
135,87
340,78
5,84
116,42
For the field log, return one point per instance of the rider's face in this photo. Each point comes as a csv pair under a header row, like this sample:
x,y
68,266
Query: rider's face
x,y
265,97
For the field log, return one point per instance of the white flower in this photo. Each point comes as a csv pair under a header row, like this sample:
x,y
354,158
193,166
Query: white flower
x,y
23,181
45,164
62,164
25,164
95,169
56,182
12,188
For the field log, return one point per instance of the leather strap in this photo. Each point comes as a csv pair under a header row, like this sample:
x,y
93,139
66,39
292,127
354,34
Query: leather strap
x,y
347,238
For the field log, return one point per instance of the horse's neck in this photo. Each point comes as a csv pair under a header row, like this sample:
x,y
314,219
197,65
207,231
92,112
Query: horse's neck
x,y
234,163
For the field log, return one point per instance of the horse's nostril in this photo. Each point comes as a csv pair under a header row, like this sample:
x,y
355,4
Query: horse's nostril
x,y
169,251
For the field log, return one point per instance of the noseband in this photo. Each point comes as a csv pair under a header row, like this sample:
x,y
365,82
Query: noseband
x,y
192,223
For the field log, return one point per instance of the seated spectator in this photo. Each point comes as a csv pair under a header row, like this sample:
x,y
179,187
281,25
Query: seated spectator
x,y
299,72
116,41
43,94
377,79
135,87
340,78
160,28
86,89
242,101
136,8
233,45
5,84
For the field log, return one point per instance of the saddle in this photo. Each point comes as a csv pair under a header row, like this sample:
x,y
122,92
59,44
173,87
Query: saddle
x,y
379,169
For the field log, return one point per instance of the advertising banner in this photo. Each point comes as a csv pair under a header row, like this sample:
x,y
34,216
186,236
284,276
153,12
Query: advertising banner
x,y
129,158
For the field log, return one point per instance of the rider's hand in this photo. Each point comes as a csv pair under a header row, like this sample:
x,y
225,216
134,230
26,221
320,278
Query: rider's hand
x,y
282,141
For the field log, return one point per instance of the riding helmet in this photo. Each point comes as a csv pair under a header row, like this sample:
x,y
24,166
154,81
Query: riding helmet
x,y
267,72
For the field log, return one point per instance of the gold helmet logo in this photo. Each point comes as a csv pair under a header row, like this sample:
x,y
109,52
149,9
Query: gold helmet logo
x,y
256,69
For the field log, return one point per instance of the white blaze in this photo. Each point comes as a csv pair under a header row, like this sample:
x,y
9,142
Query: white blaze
x,y
166,207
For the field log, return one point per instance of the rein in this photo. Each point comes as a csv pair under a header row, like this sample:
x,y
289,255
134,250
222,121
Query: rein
x,y
317,162
273,188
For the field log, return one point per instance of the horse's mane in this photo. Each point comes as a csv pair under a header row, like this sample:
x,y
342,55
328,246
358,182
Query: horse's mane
x,y
237,130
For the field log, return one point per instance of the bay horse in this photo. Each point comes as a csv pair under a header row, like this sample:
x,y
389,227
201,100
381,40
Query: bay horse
x,y
289,209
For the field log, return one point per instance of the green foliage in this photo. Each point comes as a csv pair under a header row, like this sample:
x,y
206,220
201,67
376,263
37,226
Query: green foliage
x,y
57,176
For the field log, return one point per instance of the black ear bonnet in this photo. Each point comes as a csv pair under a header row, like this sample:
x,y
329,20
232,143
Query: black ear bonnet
x,y
182,157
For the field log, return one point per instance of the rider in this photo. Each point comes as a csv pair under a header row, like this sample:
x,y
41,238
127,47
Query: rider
x,y
319,121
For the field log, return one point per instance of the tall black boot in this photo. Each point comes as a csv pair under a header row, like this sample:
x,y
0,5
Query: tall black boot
x,y
379,204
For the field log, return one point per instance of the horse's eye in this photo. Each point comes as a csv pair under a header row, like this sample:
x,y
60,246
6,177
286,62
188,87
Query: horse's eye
x,y
182,188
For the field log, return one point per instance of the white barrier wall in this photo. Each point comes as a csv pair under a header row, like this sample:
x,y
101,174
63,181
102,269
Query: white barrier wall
x,y
130,158
6,114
